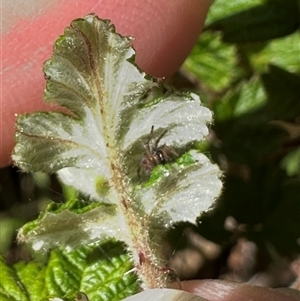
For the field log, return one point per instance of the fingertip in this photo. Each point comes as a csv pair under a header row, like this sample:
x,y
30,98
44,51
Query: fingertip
x,y
164,32
171,36
221,290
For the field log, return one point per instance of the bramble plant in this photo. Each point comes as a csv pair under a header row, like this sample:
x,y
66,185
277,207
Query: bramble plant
x,y
95,144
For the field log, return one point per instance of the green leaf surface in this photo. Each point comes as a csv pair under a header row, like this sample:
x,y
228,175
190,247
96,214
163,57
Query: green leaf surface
x,y
245,98
270,20
291,163
281,52
100,270
11,289
113,272
220,8
283,92
212,62
32,276
8,228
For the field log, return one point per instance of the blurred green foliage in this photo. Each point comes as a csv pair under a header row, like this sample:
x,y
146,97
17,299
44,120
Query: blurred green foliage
x,y
247,63
98,270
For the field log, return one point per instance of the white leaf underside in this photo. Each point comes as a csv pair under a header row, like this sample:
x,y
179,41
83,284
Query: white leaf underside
x,y
182,115
71,230
183,193
112,106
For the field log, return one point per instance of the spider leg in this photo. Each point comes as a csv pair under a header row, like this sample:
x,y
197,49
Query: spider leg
x,y
148,149
141,167
168,152
146,166
171,150
159,137
139,173
151,134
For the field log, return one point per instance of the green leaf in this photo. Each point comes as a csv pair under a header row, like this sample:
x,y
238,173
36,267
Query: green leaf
x,y
271,20
220,8
113,272
281,52
32,276
212,62
101,271
11,289
291,163
245,98
8,228
283,92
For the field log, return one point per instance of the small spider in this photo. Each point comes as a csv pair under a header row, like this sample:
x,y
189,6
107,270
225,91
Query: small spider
x,y
155,154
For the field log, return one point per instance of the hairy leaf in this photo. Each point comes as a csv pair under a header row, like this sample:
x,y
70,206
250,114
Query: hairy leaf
x,y
117,125
72,224
196,181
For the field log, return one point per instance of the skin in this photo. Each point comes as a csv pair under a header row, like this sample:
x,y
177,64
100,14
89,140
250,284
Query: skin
x,y
164,35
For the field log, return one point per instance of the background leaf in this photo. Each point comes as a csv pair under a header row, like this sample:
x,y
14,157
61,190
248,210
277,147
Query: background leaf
x,y
99,270
270,20
10,287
